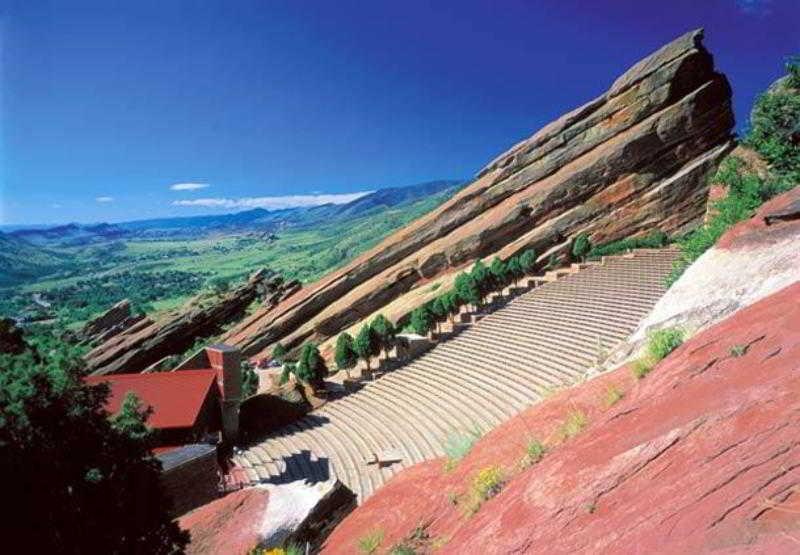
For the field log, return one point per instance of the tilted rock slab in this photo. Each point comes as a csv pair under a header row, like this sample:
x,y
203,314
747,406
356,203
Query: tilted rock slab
x,y
636,158
147,342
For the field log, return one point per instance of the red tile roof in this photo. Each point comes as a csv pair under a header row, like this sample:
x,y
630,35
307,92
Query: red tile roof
x,y
176,397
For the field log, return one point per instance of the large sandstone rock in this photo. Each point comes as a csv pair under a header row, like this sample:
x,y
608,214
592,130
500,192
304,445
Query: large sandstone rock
x,y
147,342
634,159
267,516
754,259
701,456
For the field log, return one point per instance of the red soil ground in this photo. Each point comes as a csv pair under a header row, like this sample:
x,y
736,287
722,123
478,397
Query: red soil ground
x,y
700,456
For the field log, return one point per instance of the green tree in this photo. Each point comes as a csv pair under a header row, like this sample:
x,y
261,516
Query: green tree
x,y
500,273
311,366
467,289
345,356
581,246
279,352
515,270
81,482
366,344
439,309
421,320
453,303
527,261
482,278
386,333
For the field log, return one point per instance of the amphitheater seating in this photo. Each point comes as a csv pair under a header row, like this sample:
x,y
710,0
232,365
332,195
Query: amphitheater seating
x,y
543,339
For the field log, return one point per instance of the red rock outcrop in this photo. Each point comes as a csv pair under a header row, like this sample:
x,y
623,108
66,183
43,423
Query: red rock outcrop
x,y
147,342
634,159
701,456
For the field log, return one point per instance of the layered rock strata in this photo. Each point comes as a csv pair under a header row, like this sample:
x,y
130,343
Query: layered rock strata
x,y
636,158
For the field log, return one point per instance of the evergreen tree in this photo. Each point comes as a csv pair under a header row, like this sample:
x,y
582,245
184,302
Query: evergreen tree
x,y
515,270
467,289
527,261
421,320
366,344
581,246
279,353
439,310
499,272
452,303
482,278
385,332
80,481
311,366
345,356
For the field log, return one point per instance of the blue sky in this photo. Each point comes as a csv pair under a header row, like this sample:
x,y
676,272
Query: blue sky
x,y
106,106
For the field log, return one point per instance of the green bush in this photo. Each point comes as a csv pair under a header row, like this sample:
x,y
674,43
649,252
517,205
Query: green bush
x,y
249,380
344,356
663,342
653,240
370,542
421,320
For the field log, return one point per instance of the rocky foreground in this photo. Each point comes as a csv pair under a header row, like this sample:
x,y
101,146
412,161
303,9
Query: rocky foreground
x,y
667,469
700,456
634,159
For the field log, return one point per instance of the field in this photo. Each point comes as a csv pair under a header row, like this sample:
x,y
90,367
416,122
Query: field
x,y
157,275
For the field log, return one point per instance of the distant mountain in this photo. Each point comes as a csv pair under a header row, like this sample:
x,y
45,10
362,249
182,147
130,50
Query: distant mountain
x,y
20,260
70,234
258,219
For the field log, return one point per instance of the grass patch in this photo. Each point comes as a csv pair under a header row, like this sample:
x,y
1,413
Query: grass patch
x,y
737,351
613,396
534,452
457,446
641,367
574,424
486,484
370,543
663,342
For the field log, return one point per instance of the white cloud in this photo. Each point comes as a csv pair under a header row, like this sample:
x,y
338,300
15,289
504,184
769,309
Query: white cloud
x,y
272,203
189,186
104,199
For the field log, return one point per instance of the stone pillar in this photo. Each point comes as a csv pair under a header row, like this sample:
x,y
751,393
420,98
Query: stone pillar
x,y
227,361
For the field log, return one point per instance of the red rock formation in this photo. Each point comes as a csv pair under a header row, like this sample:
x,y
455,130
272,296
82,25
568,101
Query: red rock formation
x,y
633,159
701,456
147,342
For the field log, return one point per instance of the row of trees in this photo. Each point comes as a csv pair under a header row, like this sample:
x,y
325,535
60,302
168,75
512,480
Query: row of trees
x,y
471,288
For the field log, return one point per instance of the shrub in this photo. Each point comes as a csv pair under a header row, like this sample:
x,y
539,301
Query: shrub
x,y
663,342
534,451
457,446
641,367
402,550
613,396
487,483
370,542
581,246
574,424
738,350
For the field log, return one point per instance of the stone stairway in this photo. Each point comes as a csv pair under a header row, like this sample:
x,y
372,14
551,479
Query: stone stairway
x,y
543,339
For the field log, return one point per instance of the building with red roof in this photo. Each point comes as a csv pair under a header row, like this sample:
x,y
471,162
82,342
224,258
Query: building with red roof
x,y
185,404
